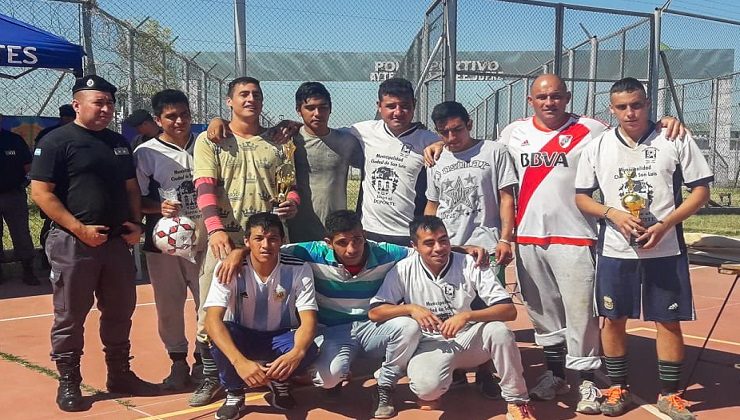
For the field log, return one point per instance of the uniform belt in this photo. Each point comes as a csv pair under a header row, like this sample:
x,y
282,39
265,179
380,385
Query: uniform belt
x,y
112,233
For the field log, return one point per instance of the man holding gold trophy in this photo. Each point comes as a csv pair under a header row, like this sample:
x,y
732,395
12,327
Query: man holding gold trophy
x,y
239,176
642,257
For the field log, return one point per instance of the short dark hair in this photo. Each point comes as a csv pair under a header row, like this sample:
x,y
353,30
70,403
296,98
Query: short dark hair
x,y
244,80
167,97
67,110
398,87
628,84
449,109
341,221
426,223
266,221
138,118
310,90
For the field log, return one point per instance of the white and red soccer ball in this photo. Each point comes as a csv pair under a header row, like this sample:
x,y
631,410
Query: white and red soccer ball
x,y
175,236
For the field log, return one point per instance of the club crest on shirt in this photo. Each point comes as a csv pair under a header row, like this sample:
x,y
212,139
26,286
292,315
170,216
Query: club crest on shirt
x,y
651,153
608,303
279,292
449,291
564,140
405,149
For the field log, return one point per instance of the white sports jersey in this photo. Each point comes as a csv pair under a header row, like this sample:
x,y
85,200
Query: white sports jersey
x,y
466,185
660,167
268,306
452,292
160,164
546,162
392,167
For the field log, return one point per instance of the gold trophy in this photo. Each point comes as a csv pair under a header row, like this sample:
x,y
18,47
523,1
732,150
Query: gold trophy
x,y
284,175
632,201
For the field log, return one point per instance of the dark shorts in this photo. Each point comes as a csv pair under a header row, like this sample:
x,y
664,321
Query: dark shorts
x,y
661,285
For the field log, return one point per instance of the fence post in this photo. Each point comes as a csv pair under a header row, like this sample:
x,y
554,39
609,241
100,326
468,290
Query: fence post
x,y
510,103
240,31
205,96
622,53
653,69
87,37
525,105
571,73
592,76
131,74
495,115
485,117
450,73
164,68
559,23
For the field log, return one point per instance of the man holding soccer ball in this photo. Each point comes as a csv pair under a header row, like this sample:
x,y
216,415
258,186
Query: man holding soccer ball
x,y
164,169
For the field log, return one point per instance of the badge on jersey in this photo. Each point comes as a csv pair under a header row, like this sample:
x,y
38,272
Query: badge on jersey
x,y
37,152
565,140
10,153
121,151
279,292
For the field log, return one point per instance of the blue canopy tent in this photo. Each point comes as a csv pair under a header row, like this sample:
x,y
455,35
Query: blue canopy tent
x,y
23,45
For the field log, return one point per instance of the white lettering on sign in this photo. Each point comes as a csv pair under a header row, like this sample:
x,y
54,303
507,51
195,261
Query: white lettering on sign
x,y
16,54
384,70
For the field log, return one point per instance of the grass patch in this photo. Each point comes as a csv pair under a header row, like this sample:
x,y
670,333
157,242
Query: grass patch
x,y
54,375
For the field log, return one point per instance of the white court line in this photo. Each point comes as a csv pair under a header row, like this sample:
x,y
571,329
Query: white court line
x,y
19,318
650,408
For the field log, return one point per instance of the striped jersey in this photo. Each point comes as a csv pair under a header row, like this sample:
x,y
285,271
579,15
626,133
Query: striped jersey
x,y
658,168
270,305
546,162
342,297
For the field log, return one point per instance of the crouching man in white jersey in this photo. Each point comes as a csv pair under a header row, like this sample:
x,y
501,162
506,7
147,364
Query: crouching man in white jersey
x,y
633,164
436,288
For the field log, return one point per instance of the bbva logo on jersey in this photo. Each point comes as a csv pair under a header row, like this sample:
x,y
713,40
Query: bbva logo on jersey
x,y
549,160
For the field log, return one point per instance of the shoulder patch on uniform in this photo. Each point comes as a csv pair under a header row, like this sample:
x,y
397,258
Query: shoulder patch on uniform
x,y
37,152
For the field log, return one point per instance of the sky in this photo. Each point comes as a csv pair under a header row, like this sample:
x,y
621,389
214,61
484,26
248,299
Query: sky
x,y
385,25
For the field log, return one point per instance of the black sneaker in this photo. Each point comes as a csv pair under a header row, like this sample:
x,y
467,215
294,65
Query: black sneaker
x,y
280,396
231,407
206,392
179,377
488,384
384,408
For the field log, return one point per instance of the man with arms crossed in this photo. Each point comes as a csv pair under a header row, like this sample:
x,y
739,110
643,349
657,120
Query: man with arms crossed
x,y
635,163
436,287
263,323
234,179
166,163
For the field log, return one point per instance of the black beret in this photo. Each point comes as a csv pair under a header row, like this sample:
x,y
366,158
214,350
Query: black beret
x,y
93,82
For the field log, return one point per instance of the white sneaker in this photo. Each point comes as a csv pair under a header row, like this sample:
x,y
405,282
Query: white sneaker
x,y
590,402
548,386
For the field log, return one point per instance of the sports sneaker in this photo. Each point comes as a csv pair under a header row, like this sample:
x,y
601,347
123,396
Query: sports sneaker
x,y
206,392
616,401
674,407
280,396
590,402
384,408
488,384
548,386
231,407
179,378
519,411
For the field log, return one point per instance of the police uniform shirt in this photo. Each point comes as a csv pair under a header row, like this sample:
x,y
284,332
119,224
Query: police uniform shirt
x,y
660,167
271,305
14,155
89,170
449,293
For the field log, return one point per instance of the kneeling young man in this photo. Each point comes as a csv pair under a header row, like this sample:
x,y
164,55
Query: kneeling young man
x,y
436,287
263,324
642,256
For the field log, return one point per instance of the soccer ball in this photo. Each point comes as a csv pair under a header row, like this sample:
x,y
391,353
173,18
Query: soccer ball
x,y
175,236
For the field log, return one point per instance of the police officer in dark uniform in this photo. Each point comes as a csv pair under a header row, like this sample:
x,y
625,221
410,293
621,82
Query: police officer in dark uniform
x,y
15,159
83,177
